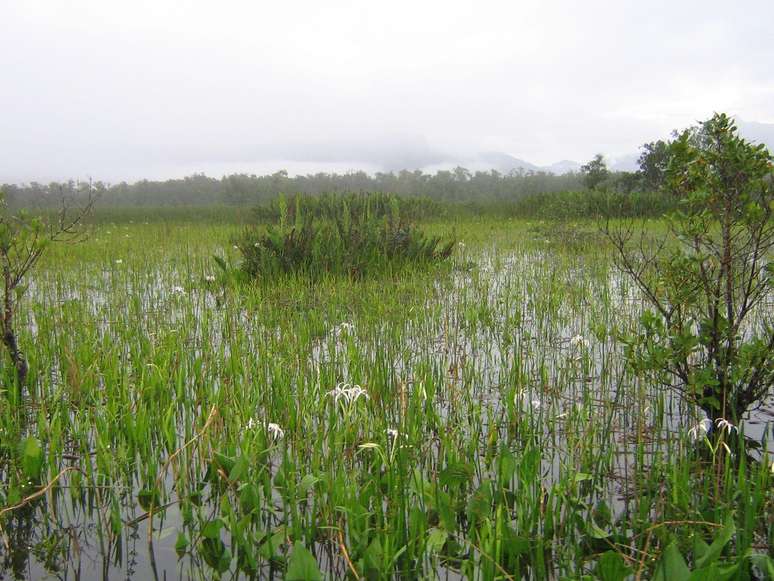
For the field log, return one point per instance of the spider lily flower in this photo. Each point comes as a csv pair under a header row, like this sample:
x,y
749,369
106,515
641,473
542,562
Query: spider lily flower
x,y
275,431
272,429
520,396
348,393
725,426
119,261
209,278
700,429
178,290
579,341
342,329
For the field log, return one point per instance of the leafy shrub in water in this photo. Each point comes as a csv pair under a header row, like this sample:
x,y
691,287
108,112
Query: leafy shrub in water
x,y
339,238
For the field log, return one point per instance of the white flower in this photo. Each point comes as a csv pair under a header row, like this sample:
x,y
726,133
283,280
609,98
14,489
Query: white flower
x,y
272,429
236,247
350,394
209,278
119,261
178,290
343,328
700,429
725,426
519,396
579,341
275,431
391,433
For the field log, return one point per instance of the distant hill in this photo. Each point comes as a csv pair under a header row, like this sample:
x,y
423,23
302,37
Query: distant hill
x,y
757,132
505,163
563,167
417,154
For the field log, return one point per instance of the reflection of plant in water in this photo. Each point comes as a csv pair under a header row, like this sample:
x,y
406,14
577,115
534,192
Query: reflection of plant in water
x,y
18,539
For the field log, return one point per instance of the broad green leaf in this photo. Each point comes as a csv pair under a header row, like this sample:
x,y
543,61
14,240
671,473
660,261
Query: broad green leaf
x,y
455,474
374,557
31,457
611,567
181,544
302,565
671,566
436,539
716,548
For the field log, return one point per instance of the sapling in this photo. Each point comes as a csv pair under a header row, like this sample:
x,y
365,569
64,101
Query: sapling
x,y
707,333
24,238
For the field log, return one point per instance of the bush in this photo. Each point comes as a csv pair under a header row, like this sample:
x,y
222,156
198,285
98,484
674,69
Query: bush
x,y
343,235
708,333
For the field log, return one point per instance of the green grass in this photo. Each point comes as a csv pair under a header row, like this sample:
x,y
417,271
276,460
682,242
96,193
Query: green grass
x,y
502,435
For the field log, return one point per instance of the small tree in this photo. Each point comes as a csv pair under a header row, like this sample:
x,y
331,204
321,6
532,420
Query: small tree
x,y
23,239
595,172
705,334
653,164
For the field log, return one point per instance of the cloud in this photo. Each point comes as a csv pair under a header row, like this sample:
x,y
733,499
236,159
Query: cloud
x,y
114,89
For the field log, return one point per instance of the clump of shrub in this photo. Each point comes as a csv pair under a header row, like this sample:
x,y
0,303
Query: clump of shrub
x,y
352,236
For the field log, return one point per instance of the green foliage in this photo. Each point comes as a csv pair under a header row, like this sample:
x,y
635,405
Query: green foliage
x,y
490,445
302,565
31,454
591,204
653,162
706,333
595,172
339,238
150,200
708,561
330,206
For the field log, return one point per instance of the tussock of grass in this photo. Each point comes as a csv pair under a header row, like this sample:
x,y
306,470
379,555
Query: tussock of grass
x,y
353,236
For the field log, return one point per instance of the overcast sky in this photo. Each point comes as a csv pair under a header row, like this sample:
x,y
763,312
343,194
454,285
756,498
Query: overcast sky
x,y
131,89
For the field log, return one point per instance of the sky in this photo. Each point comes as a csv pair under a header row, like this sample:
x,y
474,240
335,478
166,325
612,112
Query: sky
x,y
129,90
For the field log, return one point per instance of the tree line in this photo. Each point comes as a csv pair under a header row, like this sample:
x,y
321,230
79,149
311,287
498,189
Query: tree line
x,y
457,185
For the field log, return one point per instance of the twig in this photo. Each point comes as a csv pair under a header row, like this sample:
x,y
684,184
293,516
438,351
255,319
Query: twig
x,y
345,554
32,497
496,564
